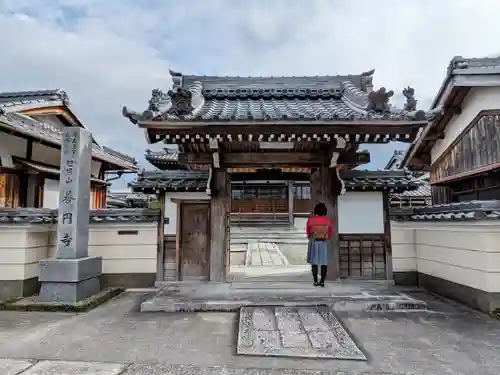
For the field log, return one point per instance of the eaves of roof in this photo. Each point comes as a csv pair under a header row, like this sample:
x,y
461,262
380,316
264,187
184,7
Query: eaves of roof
x,y
30,127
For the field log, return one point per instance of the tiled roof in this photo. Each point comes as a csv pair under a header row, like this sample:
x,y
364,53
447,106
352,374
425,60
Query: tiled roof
x,y
391,180
11,103
49,216
48,133
165,160
170,181
459,67
166,155
477,65
23,100
326,98
462,211
423,191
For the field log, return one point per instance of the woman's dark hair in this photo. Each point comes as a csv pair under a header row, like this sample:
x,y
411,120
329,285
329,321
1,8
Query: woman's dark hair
x,y
320,209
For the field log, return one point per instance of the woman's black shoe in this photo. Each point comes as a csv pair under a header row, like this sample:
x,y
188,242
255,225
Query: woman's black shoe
x,y
322,284
315,283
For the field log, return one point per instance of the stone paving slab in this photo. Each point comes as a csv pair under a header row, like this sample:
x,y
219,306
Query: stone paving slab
x,y
19,367
308,331
227,297
13,366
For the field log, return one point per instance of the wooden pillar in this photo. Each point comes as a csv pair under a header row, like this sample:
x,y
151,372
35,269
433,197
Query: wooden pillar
x,y
322,192
161,238
219,222
387,235
291,199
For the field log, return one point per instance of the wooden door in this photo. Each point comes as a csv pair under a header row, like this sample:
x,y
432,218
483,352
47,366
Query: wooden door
x,y
195,241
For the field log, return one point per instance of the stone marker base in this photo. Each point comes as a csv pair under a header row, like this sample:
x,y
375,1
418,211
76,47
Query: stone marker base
x,y
69,280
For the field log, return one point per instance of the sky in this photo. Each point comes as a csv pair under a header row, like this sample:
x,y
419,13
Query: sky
x,y
111,53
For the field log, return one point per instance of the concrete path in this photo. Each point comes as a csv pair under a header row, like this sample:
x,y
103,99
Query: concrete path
x,y
448,339
9,366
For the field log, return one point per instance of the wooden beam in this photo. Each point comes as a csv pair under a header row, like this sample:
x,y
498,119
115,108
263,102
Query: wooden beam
x,y
423,159
257,159
434,136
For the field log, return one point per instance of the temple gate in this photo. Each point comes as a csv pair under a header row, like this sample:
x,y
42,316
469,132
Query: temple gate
x,y
229,126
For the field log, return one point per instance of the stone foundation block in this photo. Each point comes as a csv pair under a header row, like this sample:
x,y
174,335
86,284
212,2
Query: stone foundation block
x,y
69,280
69,292
70,270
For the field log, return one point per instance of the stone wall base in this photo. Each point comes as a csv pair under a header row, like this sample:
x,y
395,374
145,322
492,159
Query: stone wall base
x,y
23,288
128,280
475,298
18,288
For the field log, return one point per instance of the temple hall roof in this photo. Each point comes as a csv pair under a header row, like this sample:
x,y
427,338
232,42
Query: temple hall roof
x,y
175,180
355,180
15,117
165,159
240,99
394,181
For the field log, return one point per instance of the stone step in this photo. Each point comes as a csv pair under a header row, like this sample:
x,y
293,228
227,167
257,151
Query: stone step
x,y
279,241
198,299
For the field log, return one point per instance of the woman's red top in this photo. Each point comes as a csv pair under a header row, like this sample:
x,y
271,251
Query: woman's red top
x,y
317,221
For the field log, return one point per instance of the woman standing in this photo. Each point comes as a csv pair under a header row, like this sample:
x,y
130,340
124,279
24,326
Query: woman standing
x,y
319,229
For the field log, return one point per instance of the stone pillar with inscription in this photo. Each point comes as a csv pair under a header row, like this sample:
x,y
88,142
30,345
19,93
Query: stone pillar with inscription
x,y
72,275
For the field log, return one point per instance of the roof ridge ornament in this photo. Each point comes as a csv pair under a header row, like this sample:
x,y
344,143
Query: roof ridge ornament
x,y
411,103
378,101
63,95
176,78
367,80
181,101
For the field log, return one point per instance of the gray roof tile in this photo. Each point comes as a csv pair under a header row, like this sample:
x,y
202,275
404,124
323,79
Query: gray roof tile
x,y
461,211
49,216
393,181
13,102
170,181
46,132
335,98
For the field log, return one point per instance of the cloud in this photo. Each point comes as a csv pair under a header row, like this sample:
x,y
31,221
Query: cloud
x,y
107,54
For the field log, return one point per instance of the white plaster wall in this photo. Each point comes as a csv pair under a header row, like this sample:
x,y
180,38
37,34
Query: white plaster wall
x,y
21,248
50,193
121,253
478,99
467,254
361,212
464,253
171,207
404,253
